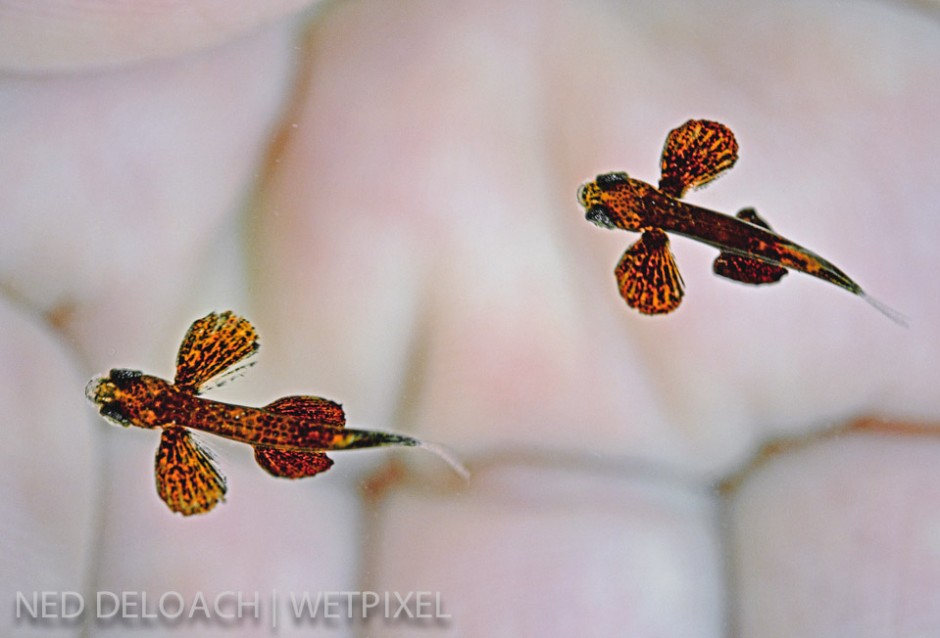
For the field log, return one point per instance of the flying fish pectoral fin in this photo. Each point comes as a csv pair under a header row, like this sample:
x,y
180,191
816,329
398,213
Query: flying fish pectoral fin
x,y
648,277
212,349
744,269
694,154
188,480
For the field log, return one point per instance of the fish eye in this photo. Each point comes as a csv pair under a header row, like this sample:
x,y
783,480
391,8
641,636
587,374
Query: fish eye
x,y
609,180
582,193
123,374
600,217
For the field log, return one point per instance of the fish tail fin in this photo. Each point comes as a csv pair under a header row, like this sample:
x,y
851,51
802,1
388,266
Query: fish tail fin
x,y
889,312
353,439
447,455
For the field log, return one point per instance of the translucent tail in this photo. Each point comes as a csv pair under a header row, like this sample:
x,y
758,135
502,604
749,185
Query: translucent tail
x,y
447,456
351,438
885,309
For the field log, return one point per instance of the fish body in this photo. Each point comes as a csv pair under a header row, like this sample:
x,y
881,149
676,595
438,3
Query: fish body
x,y
750,251
290,436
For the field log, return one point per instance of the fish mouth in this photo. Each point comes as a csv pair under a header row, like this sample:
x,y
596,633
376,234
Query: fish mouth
x,y
582,195
599,216
91,389
100,390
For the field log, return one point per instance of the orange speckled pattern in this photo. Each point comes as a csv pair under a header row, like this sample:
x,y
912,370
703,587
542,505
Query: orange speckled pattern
x,y
212,346
289,435
187,479
648,277
694,154
291,465
744,269
312,408
621,198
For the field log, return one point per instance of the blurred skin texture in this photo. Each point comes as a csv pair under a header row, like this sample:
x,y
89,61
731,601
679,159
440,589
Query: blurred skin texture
x,y
387,190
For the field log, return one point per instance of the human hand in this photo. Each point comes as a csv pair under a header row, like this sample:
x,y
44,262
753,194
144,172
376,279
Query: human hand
x,y
392,204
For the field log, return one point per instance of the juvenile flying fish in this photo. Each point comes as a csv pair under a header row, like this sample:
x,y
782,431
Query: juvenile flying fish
x,y
751,252
290,436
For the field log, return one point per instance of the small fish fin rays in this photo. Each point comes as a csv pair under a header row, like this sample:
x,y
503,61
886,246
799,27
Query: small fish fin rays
x,y
215,348
648,277
188,480
290,464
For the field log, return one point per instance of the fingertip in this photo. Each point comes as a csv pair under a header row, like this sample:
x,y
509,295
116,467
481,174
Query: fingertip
x,y
61,35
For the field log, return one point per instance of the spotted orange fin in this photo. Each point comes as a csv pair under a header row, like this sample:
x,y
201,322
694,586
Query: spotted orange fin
x,y
745,269
296,464
188,480
694,154
648,277
315,409
290,464
212,349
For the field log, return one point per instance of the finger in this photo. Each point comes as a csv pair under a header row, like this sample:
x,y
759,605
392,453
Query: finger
x,y
124,188
839,539
55,35
49,466
120,185
525,321
490,305
540,550
523,341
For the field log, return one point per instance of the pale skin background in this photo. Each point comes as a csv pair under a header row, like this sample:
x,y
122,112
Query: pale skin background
x,y
387,190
